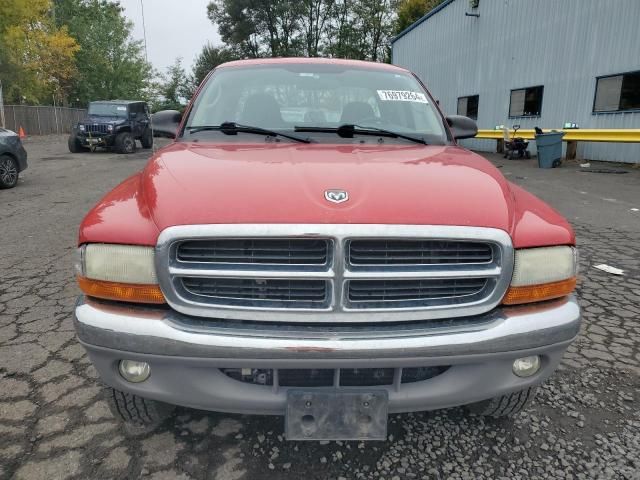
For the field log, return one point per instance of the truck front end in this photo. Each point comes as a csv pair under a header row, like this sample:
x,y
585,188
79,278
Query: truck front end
x,y
330,282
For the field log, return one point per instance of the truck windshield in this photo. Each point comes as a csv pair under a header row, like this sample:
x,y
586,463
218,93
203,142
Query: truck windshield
x,y
292,97
107,110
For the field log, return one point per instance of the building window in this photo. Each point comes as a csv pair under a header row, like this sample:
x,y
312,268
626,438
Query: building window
x,y
468,106
617,93
526,102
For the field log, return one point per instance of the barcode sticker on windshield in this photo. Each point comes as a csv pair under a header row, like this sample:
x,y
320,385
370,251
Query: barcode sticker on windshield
x,y
402,96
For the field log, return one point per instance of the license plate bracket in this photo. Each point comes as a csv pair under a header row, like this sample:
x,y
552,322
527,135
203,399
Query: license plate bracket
x,y
336,415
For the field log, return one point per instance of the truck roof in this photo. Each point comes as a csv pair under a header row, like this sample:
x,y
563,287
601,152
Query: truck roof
x,y
312,61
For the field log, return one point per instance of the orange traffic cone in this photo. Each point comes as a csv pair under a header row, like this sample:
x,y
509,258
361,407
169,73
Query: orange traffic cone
x,y
21,133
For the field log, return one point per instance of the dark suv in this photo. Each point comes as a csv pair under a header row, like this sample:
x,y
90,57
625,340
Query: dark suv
x,y
13,158
113,124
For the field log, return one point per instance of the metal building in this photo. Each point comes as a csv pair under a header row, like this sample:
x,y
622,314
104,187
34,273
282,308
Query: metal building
x,y
534,63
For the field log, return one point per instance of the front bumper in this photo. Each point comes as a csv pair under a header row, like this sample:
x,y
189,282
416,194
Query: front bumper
x,y
22,158
96,140
186,353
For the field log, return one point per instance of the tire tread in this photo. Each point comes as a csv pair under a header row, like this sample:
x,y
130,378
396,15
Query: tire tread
x,y
504,405
119,142
136,410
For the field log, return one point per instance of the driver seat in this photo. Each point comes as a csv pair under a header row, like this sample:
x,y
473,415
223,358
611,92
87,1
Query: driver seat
x,y
261,110
354,112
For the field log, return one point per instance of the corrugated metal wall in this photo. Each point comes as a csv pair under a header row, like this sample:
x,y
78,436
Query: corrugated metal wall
x,y
561,44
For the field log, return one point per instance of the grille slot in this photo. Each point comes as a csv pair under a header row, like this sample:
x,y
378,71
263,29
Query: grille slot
x,y
325,377
300,293
418,374
417,252
364,377
250,251
387,293
307,377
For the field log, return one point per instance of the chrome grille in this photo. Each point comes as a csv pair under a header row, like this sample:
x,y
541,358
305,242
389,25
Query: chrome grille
x,y
259,291
417,252
333,273
385,293
240,251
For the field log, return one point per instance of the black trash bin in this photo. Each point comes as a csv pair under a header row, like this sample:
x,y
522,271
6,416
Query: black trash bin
x,y
549,146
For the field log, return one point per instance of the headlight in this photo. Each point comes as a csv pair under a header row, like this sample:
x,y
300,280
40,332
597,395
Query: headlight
x,y
109,128
542,274
118,272
81,128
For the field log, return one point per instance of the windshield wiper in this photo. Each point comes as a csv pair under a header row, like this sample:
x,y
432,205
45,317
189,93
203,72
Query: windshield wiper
x,y
348,130
233,128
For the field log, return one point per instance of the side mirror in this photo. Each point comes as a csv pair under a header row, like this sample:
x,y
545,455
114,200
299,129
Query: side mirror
x,y
462,127
166,123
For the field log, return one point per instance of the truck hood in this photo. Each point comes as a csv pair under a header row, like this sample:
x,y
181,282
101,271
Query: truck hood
x,y
193,183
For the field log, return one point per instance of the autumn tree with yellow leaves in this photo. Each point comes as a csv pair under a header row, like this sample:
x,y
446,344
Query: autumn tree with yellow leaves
x,y
36,57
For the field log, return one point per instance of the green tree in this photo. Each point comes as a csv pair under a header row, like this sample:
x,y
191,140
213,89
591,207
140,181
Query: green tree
x,y
36,56
343,32
339,28
375,26
110,63
316,19
360,29
410,11
174,88
259,27
209,58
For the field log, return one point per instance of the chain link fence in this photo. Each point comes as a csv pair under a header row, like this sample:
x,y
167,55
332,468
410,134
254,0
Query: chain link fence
x,y
42,120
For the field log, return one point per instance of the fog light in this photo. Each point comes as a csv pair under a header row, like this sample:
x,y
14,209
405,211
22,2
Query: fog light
x,y
133,371
526,366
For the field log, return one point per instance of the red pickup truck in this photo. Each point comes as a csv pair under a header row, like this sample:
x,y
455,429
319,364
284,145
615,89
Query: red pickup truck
x,y
315,244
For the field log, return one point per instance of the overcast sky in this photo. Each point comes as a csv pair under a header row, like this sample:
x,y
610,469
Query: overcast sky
x,y
175,28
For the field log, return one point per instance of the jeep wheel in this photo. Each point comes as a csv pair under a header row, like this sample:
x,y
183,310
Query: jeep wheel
x,y
137,413
74,144
125,143
147,139
8,171
505,405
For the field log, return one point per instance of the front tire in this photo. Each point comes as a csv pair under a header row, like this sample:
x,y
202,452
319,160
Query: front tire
x,y
74,144
138,414
147,139
125,143
8,172
504,405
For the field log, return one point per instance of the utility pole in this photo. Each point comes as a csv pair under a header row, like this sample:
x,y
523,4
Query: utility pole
x,y
144,32
146,57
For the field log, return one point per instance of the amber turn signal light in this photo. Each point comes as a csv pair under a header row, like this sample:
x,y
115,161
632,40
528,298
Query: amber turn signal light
x,y
124,292
539,293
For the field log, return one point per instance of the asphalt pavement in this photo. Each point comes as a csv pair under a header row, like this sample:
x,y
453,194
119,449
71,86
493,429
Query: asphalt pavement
x,y
584,423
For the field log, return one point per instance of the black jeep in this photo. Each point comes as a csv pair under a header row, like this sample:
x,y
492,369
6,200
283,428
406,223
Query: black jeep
x,y
113,124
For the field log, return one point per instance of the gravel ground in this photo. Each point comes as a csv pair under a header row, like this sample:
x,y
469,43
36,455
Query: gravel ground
x,y
584,423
